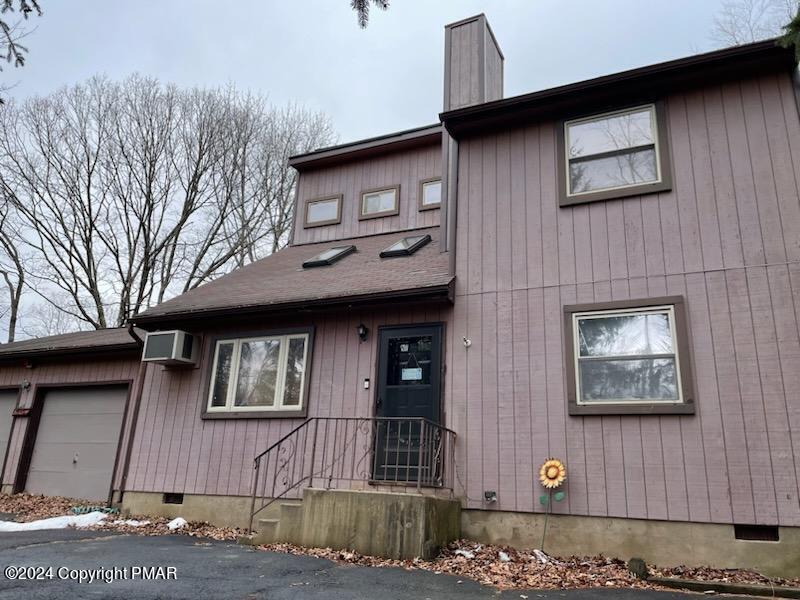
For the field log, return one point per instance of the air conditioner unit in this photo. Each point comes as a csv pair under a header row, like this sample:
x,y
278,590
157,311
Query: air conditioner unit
x,y
170,348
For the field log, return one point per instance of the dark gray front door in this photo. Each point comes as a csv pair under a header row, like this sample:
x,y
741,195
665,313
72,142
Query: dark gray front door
x,y
409,385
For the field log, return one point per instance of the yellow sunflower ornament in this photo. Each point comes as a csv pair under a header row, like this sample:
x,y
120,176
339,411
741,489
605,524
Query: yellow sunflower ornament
x,y
552,473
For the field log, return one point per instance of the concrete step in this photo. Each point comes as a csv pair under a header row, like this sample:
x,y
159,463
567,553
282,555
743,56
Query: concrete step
x,y
267,531
291,525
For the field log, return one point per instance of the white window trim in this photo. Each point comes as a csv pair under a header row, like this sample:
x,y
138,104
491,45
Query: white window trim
x,y
667,309
657,146
390,211
280,391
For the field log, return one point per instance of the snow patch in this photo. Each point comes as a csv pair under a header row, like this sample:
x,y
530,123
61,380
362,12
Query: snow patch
x,y
176,523
87,520
131,522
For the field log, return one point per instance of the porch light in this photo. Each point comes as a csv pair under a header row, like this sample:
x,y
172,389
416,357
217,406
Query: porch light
x,y
362,332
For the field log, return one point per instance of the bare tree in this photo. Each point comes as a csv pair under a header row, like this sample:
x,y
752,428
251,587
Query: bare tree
x,y
132,192
743,21
12,271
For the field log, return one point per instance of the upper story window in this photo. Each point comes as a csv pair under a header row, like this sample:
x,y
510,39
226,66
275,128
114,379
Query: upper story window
x,y
266,373
430,194
383,202
406,246
612,155
629,357
328,257
323,211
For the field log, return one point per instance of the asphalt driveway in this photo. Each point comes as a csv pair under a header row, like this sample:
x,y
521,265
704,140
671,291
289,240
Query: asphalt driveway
x,y
206,569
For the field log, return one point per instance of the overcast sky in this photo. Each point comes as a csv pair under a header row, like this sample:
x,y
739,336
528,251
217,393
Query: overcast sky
x,y
385,78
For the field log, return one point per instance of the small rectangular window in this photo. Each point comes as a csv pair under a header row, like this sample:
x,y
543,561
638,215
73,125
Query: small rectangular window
x,y
328,257
172,498
624,357
380,203
323,211
615,154
757,533
406,246
430,194
259,374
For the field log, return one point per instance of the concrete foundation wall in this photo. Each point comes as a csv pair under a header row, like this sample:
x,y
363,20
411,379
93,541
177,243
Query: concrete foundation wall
x,y
664,543
225,511
380,524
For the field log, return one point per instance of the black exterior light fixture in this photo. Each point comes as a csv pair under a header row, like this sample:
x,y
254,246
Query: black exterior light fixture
x,y
362,332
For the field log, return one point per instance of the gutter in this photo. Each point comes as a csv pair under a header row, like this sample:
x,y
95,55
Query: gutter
x,y
62,352
442,291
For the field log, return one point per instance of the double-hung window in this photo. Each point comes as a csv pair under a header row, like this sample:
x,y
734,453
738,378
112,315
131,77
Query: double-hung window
x,y
265,373
613,155
628,358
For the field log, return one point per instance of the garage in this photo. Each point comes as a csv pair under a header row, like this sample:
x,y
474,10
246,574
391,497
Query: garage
x,y
76,442
8,400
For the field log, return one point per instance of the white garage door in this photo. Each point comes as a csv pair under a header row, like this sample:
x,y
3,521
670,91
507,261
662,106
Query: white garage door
x,y
8,400
76,443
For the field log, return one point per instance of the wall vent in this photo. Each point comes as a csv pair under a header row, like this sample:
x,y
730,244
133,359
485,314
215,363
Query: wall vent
x,y
758,533
172,498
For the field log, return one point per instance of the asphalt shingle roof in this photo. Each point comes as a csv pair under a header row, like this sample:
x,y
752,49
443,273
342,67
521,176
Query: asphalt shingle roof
x,y
101,339
280,278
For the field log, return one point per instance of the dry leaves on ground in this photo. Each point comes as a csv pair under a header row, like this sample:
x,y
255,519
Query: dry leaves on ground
x,y
29,507
499,566
724,575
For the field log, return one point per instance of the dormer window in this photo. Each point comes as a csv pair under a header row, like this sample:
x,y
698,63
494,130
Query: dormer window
x,y
329,257
384,202
406,246
430,194
613,155
323,211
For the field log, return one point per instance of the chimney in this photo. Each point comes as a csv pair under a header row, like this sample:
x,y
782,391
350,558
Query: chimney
x,y
473,64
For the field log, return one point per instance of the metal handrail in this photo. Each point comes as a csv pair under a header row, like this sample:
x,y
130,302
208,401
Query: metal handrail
x,y
347,451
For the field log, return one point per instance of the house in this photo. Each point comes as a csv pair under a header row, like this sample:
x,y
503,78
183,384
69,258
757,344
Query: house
x,y
606,273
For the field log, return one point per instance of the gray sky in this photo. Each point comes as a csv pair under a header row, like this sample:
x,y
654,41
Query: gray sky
x,y
385,78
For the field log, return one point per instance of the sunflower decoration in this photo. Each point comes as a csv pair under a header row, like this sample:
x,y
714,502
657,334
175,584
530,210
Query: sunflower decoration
x,y
552,473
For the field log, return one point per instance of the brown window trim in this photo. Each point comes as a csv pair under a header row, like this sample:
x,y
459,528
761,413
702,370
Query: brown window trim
x,y
302,412
338,197
422,206
687,407
637,190
385,213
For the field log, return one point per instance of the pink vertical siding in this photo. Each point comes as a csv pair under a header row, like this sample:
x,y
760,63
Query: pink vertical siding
x,y
726,237
406,168
51,373
176,451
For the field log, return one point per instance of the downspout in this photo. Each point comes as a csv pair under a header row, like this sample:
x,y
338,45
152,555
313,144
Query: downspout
x,y
451,156
137,400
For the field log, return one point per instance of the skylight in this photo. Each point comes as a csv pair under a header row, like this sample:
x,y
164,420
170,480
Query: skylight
x,y
329,257
406,246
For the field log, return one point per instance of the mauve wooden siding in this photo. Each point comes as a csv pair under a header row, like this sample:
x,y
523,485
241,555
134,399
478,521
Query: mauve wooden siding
x,y
474,66
727,237
176,451
50,373
406,168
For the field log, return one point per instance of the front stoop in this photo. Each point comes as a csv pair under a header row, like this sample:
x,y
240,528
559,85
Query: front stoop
x,y
388,524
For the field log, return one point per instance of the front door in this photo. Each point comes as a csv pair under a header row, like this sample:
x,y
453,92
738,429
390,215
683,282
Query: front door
x,y
409,387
